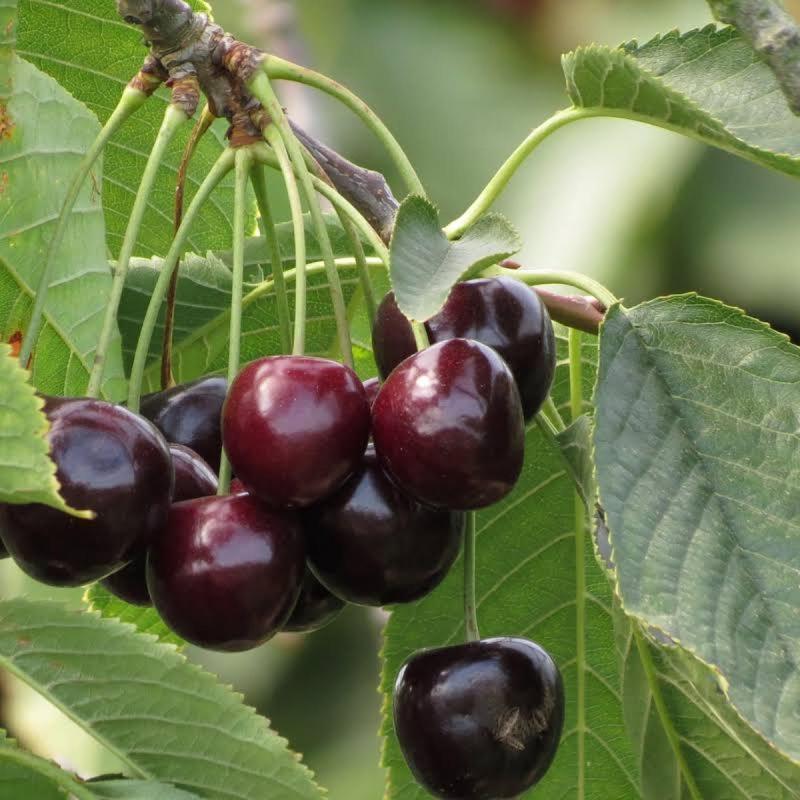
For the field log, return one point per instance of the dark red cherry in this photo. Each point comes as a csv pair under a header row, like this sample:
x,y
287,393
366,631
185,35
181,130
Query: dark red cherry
x,y
193,478
372,387
190,414
295,428
315,608
479,721
448,426
108,460
227,573
237,487
373,545
501,313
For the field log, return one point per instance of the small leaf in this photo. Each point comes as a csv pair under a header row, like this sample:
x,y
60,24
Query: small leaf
x,y
164,718
27,474
425,265
708,84
697,446
576,447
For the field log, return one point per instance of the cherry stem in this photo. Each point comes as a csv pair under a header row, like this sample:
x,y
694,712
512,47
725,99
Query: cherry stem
x,y
281,69
220,169
173,119
244,164
262,90
298,224
507,171
472,631
130,102
259,182
554,277
200,130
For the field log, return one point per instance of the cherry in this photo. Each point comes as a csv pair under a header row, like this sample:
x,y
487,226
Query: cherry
x,y
190,414
372,386
480,720
295,428
448,426
371,544
501,313
109,460
315,608
227,573
193,478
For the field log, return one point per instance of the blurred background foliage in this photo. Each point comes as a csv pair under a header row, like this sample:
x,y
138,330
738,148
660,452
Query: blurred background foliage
x,y
461,82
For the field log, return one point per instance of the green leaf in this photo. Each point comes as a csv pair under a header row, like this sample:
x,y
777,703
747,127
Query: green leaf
x,y
575,442
698,464
708,84
167,720
425,265
145,620
87,48
690,742
137,790
27,475
526,558
47,132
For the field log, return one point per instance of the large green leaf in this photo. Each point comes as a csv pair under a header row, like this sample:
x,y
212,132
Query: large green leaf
x,y
698,462
425,265
689,741
526,553
27,475
87,48
708,84
46,133
164,718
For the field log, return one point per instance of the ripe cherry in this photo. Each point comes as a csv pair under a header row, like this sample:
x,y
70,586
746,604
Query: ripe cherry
x,y
109,460
371,544
315,608
227,573
501,313
481,720
448,427
295,428
190,414
193,478
372,386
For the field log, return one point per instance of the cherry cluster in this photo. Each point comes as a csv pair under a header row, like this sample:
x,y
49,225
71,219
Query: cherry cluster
x,y
345,492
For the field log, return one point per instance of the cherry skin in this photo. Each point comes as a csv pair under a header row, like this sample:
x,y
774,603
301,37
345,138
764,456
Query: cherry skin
x,y
227,573
315,608
295,428
193,478
109,460
448,426
372,386
501,313
190,414
373,545
481,720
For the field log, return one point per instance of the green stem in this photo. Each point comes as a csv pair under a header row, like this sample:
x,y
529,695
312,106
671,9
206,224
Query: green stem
x,y
173,119
575,373
244,164
421,337
473,633
268,227
265,156
364,277
574,279
71,786
280,69
220,169
663,712
298,225
506,172
130,102
262,90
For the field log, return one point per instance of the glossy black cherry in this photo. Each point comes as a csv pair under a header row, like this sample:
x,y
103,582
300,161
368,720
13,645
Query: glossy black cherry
x,y
193,478
315,607
228,574
110,461
190,414
501,313
479,721
295,428
448,426
372,544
